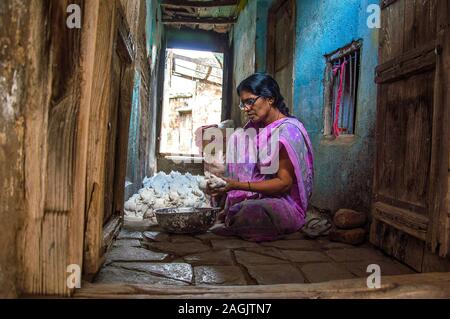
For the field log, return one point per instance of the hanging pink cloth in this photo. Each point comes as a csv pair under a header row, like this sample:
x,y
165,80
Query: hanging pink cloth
x,y
341,68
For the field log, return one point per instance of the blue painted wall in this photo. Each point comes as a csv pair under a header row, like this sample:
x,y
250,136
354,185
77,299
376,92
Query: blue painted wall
x,y
343,168
262,13
243,37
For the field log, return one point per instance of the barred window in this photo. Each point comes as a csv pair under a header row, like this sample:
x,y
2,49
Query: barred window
x,y
341,90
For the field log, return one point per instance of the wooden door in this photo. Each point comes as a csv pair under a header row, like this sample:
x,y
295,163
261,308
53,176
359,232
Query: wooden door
x,y
112,134
410,216
108,134
280,47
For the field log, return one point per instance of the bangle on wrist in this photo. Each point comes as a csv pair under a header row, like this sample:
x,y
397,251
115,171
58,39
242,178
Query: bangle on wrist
x,y
249,187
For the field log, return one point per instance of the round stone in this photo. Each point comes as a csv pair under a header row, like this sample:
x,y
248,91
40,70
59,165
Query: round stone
x,y
349,219
348,236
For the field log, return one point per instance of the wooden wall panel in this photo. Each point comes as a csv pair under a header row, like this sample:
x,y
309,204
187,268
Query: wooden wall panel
x,y
52,234
54,255
406,139
398,244
411,183
391,35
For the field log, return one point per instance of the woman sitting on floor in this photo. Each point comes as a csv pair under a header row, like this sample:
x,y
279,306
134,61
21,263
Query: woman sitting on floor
x,y
266,198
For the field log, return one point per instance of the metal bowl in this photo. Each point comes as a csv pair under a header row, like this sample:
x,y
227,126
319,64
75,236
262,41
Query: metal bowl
x,y
186,220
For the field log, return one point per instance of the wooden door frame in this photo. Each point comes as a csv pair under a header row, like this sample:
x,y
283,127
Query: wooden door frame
x,y
270,54
99,237
426,286
125,49
438,237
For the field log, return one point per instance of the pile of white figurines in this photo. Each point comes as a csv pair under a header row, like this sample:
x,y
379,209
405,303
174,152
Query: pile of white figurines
x,y
170,190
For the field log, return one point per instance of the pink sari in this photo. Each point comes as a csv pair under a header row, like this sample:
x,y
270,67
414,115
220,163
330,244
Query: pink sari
x,y
256,217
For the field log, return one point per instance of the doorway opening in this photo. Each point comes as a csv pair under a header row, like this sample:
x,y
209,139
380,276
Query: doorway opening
x,y
192,98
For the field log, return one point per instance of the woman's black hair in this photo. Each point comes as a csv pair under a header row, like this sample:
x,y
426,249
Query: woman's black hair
x,y
262,84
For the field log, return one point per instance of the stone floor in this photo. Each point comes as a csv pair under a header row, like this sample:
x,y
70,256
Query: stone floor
x,y
155,257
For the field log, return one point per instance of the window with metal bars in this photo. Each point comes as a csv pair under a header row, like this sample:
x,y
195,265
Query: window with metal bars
x,y
341,80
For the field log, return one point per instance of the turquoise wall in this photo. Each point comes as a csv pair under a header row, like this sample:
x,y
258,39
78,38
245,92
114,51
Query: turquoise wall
x,y
343,168
243,37
262,13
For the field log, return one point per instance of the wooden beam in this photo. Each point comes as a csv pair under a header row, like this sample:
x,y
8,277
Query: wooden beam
x,y
427,286
217,21
191,78
196,61
200,4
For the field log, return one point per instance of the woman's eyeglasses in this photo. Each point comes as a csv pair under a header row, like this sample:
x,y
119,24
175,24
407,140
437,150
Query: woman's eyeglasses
x,y
248,103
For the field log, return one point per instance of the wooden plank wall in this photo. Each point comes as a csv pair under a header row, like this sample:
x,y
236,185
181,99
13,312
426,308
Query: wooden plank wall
x,y
65,110
52,235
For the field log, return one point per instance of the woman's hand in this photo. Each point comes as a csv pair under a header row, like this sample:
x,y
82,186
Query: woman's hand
x,y
231,185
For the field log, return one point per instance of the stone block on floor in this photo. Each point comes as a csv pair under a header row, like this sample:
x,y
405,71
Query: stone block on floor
x,y
250,258
298,244
306,256
179,249
129,234
175,271
275,274
327,244
267,251
322,272
109,275
222,257
127,243
155,236
219,275
183,239
133,254
232,243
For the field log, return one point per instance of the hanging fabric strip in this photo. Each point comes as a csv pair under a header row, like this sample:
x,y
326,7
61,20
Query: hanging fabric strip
x,y
341,69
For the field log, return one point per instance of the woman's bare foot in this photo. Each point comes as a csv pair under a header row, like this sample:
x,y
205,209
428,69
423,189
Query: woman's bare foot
x,y
221,217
